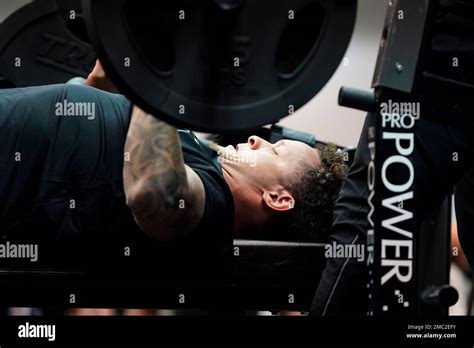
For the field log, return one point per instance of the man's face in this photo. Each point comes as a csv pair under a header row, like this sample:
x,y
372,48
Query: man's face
x,y
269,166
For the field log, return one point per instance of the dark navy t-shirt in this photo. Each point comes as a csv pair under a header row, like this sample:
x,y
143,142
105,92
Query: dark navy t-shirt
x,y
61,161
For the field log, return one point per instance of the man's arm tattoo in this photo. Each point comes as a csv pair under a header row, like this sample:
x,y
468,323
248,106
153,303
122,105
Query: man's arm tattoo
x,y
156,170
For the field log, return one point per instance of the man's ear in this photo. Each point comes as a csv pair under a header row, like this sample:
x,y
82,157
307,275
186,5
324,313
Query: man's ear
x,y
279,201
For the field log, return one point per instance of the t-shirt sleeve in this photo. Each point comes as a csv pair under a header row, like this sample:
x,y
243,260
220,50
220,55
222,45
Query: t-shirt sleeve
x,y
60,131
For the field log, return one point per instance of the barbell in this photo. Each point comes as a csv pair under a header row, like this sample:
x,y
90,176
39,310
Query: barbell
x,y
44,43
207,65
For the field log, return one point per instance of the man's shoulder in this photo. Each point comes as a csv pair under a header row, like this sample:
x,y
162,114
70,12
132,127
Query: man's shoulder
x,y
90,93
61,91
105,103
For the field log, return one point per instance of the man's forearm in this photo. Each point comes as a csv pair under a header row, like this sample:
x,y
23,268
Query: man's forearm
x,y
155,176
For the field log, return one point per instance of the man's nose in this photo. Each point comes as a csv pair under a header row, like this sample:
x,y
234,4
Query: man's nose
x,y
256,142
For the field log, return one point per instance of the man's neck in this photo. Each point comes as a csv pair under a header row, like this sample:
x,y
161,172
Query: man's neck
x,y
245,213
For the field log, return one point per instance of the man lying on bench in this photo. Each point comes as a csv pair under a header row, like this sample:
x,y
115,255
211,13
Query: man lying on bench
x,y
68,146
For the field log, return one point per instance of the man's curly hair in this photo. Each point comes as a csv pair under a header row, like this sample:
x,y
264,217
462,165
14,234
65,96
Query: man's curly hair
x,y
315,192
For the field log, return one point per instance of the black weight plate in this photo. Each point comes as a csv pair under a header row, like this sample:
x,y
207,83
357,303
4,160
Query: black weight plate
x,y
76,25
176,62
47,50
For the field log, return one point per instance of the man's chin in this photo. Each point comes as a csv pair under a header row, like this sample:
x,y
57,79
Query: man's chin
x,y
234,158
228,160
225,152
